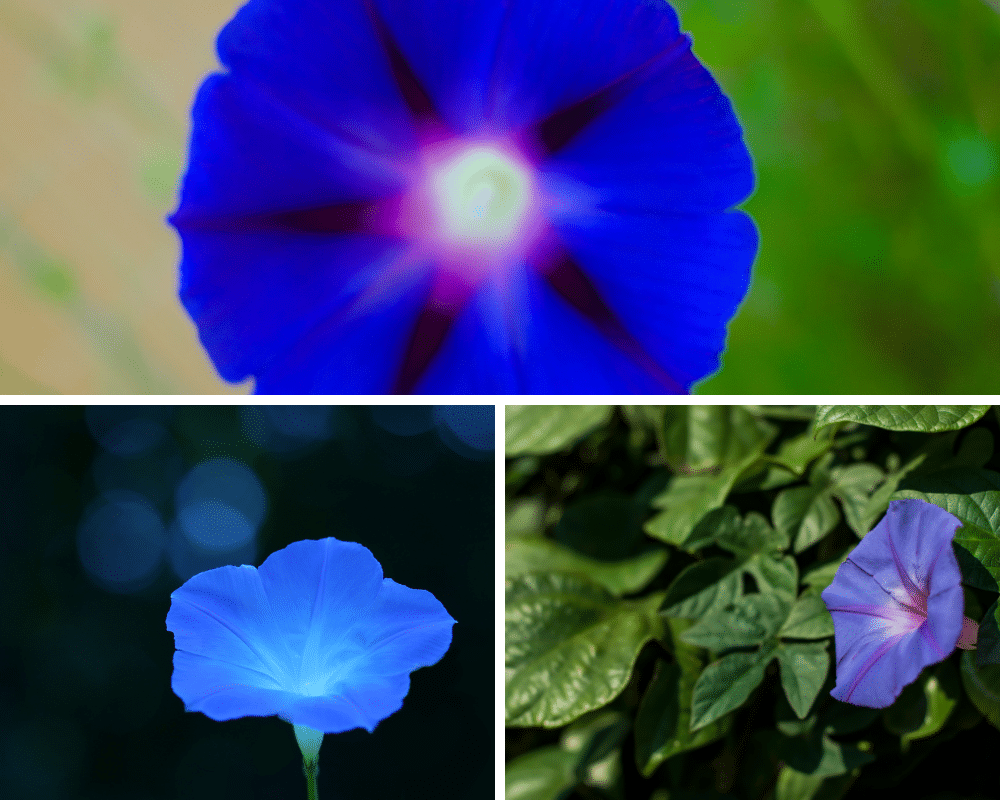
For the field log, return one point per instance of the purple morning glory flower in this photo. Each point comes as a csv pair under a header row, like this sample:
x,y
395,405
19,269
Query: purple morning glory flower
x,y
897,604
445,196
316,636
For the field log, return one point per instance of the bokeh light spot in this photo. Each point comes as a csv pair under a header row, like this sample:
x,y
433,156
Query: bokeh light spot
x,y
214,525
227,483
121,542
471,425
289,429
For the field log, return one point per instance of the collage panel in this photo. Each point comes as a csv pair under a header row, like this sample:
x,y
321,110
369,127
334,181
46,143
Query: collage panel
x,y
777,602
499,197
192,596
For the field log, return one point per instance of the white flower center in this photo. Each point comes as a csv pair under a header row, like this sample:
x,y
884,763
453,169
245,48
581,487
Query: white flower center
x,y
481,197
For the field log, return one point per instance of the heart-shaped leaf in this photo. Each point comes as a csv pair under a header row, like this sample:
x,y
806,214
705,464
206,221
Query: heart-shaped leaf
x,y
559,627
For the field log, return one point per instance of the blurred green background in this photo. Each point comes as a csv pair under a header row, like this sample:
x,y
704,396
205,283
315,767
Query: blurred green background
x,y
874,125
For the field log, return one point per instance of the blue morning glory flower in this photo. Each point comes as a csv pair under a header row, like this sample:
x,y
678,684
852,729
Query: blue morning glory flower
x,y
315,636
897,604
445,196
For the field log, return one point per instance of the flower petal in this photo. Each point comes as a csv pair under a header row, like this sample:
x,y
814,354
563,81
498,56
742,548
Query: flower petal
x,y
479,355
358,349
910,551
673,281
251,153
354,707
258,297
317,589
221,614
521,337
869,633
545,58
467,33
226,691
301,154
324,63
671,146
405,629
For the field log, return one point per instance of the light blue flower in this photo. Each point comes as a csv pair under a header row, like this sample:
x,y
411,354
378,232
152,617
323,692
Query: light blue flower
x,y
315,636
897,604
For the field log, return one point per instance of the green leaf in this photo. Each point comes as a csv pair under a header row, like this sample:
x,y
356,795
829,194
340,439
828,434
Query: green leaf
x,y
726,684
597,738
853,486
988,643
688,498
606,525
818,578
720,523
797,453
542,774
643,418
984,547
864,515
809,619
550,772
524,518
701,438
618,577
663,722
822,757
560,627
921,419
982,685
795,785
806,513
708,584
548,429
803,671
746,622
940,694
773,574
751,537
520,471
759,553
972,495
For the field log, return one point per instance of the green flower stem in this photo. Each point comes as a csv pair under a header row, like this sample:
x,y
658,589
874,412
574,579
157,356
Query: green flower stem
x,y
311,770
309,740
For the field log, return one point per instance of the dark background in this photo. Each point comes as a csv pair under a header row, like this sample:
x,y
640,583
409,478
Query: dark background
x,y
86,708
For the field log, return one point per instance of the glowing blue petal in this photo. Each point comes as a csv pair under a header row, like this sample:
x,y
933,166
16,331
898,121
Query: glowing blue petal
x,y
316,636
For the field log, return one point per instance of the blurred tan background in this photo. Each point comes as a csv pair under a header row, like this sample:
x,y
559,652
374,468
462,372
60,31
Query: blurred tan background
x,y
96,98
